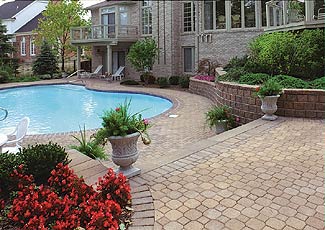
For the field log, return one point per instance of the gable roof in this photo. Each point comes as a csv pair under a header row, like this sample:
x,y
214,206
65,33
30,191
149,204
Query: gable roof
x,y
10,9
31,25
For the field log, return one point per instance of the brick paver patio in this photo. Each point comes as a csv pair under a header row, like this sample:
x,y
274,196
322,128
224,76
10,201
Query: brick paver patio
x,y
263,175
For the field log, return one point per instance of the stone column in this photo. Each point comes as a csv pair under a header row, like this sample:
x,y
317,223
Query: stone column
x,y
268,19
109,58
78,60
285,12
309,9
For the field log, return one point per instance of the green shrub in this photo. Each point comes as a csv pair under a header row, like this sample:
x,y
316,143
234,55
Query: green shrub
x,y
318,83
129,82
233,74
254,78
142,77
173,80
236,62
90,148
148,78
184,81
40,159
4,76
290,82
8,162
162,82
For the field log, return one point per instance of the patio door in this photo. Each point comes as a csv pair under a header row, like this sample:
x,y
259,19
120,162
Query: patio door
x,y
118,60
108,18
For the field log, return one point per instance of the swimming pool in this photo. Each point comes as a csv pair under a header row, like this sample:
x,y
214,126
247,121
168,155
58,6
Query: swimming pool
x,y
63,108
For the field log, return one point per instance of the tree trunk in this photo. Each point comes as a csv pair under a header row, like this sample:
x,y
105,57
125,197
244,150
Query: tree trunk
x,y
62,60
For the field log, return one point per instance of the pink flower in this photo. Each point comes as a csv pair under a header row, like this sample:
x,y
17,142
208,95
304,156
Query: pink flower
x,y
146,121
237,119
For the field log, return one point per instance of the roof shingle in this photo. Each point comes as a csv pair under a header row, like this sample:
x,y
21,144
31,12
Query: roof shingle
x,y
10,9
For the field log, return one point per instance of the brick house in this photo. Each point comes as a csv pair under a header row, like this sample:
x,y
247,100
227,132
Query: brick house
x,y
185,31
21,18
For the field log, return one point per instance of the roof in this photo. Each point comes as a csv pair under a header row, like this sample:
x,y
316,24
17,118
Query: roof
x,y
31,25
110,2
10,9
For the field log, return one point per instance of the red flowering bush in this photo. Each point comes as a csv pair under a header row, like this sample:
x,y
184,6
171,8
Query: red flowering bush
x,y
68,203
205,78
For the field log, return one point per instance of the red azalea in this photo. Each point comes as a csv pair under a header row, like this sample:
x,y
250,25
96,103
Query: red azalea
x,y
117,109
257,89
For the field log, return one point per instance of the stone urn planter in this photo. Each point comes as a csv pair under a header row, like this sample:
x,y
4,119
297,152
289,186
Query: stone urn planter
x,y
125,153
221,126
269,107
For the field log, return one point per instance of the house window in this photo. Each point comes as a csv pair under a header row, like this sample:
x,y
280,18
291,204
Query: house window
x,y
263,5
249,13
32,47
235,13
146,17
243,9
188,59
189,16
23,46
107,19
214,15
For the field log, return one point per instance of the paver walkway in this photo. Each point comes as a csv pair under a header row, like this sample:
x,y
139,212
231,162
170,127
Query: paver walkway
x,y
263,175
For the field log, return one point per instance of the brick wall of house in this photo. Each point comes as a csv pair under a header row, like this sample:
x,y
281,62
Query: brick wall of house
x,y
292,103
28,58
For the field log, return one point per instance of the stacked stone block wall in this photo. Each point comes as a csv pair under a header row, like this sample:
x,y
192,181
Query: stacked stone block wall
x,y
247,107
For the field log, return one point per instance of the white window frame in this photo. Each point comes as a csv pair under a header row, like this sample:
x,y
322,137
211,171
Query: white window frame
x,y
32,47
191,26
23,46
193,59
146,17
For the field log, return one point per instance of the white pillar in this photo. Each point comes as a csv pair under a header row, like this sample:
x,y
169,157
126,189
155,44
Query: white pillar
x,y
268,19
109,59
309,9
228,15
78,60
285,12
275,16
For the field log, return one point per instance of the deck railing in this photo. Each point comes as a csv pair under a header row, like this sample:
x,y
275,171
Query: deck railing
x,y
102,32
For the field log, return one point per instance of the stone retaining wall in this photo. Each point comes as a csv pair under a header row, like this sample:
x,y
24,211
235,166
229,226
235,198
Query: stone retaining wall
x,y
303,103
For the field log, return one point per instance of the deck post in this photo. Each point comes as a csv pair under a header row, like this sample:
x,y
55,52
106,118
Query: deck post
x,y
78,60
109,58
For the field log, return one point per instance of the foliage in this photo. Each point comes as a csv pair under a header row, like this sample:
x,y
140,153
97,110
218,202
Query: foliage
x,y
45,62
4,76
68,203
290,82
7,64
90,148
217,113
148,78
269,88
59,18
184,81
254,78
173,80
40,159
142,54
318,83
129,82
27,78
162,82
119,122
236,62
287,53
205,78
233,74
207,67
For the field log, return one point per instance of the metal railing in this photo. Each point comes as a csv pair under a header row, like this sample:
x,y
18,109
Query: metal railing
x,y
5,113
96,32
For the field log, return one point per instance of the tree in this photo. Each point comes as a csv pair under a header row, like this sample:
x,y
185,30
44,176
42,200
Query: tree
x,y
59,17
142,54
45,62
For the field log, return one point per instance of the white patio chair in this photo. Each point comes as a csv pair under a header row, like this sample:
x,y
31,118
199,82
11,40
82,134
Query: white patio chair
x,y
19,133
118,75
93,74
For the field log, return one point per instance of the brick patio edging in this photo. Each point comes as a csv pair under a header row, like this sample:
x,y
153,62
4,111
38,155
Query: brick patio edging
x,y
303,103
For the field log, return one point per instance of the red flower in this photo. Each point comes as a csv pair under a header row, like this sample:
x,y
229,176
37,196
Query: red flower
x,y
117,109
257,89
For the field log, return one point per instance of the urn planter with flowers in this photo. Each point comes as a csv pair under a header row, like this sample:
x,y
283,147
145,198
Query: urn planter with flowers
x,y
122,130
219,117
269,93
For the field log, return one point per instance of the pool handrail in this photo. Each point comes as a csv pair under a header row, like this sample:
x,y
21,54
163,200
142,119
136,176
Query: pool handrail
x,y
6,113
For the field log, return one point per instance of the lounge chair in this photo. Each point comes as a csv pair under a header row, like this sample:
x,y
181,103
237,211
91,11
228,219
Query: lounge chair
x,y
93,74
19,133
118,75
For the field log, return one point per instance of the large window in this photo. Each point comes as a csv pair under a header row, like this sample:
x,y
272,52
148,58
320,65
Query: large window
x,y
214,15
189,16
146,17
249,12
243,9
188,59
263,5
32,47
235,13
23,46
107,18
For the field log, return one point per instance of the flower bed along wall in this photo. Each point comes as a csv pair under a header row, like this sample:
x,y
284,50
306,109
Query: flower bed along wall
x,y
304,103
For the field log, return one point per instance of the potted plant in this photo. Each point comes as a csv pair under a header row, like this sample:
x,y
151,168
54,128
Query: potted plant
x,y
122,130
220,117
269,93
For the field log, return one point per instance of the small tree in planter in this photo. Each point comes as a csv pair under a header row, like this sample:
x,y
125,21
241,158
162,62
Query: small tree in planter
x,y
142,56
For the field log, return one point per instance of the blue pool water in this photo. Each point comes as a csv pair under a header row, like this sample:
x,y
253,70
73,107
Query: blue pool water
x,y
63,108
